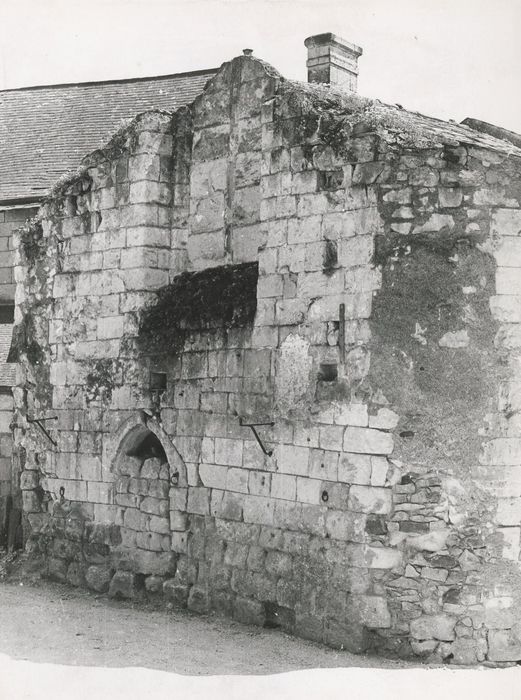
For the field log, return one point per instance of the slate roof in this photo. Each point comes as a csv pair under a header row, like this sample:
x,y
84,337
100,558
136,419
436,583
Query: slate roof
x,y
45,131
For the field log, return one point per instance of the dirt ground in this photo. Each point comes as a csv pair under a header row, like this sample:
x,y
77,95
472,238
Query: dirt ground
x,y
57,624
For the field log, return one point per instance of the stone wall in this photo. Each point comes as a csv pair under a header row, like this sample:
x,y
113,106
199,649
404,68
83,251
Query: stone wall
x,y
382,361
9,475
11,219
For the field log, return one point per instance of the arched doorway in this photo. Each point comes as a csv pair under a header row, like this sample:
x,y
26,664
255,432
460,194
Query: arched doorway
x,y
148,474
135,436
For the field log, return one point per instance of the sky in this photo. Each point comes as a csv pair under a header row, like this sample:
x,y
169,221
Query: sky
x,y
448,58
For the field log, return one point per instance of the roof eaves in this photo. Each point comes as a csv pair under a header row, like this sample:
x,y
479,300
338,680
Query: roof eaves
x,y
28,202
116,81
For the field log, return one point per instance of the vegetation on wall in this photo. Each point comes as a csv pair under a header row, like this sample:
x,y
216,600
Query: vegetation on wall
x,y
100,380
330,257
335,116
31,240
216,297
24,341
441,392
444,243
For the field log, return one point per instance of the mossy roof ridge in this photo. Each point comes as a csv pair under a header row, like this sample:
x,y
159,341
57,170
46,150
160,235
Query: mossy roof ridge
x,y
417,130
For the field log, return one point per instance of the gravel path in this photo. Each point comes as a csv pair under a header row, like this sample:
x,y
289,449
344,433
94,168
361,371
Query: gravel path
x,y
57,624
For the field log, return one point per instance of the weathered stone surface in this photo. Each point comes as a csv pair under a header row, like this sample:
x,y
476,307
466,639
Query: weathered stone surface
x,y
198,599
467,652
154,584
144,562
455,339
345,526
354,469
367,441
57,569
450,197
439,627
370,499
370,611
430,542
424,647
348,636
176,593
371,557
75,574
506,222
385,419
249,612
505,645
123,585
29,480
98,577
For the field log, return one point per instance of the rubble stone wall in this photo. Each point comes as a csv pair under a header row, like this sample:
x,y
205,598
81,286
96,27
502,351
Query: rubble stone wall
x,y
382,360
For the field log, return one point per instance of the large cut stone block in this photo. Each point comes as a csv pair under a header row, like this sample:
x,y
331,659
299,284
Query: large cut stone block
x,y
506,222
369,610
505,645
293,460
355,469
504,450
371,557
123,585
367,441
98,578
370,499
433,627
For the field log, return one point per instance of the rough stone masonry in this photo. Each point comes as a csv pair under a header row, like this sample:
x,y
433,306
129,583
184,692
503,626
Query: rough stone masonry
x,y
345,276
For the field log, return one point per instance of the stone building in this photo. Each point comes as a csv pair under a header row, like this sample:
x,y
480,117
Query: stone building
x,y
274,336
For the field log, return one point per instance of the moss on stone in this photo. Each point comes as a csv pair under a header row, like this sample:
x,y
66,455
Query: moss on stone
x,y
442,394
216,297
100,380
31,240
336,116
24,342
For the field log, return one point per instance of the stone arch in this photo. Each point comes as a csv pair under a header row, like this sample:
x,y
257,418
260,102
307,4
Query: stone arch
x,y
131,433
143,460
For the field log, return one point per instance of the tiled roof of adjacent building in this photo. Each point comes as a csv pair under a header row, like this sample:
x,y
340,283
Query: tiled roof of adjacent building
x,y
45,131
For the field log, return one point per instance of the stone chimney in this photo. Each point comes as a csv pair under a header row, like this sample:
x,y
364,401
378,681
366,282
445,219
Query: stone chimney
x,y
332,60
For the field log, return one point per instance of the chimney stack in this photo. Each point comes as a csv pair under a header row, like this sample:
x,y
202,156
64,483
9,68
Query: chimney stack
x,y
332,60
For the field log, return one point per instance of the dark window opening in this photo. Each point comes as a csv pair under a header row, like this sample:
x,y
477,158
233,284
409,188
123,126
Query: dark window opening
x,y
6,313
150,446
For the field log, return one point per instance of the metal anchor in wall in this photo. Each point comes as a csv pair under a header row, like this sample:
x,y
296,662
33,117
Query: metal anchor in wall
x,y
257,437
39,422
